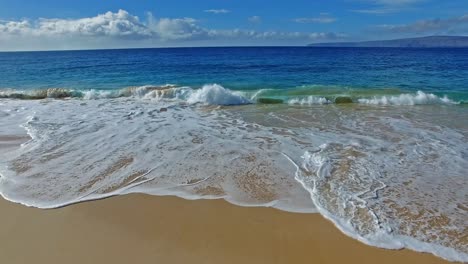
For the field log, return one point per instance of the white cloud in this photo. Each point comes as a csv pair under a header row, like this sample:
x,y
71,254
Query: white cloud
x,y
15,27
121,30
324,18
175,28
454,25
108,24
119,24
387,6
276,35
218,11
255,19
321,20
396,2
376,11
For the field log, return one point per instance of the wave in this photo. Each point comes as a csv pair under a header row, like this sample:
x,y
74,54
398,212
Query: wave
x,y
420,98
356,218
210,94
310,100
40,93
215,94
364,180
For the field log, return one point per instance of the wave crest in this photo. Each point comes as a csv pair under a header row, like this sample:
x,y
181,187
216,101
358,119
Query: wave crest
x,y
420,98
215,94
310,100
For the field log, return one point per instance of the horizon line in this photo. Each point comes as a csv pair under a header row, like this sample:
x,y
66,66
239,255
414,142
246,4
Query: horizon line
x,y
309,45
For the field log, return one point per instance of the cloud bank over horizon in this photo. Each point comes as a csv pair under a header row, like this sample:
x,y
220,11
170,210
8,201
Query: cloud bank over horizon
x,y
453,25
121,29
380,7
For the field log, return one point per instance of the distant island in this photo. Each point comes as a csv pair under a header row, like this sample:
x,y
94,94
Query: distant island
x,y
421,42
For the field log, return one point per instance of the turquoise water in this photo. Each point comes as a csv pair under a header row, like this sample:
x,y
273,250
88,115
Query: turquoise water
x,y
288,71
375,140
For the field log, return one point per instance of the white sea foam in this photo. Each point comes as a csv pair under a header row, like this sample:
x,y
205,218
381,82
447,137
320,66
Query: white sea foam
x,y
315,175
310,100
212,94
395,185
130,137
256,94
99,94
420,98
215,94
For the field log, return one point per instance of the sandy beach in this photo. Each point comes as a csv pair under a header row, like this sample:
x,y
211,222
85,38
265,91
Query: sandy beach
x,y
219,132
148,229
140,228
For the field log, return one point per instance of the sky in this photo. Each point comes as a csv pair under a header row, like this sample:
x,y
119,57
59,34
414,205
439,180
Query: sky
x,y
98,24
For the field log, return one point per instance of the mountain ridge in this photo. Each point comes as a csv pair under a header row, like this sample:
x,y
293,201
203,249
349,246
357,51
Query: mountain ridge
x,y
418,42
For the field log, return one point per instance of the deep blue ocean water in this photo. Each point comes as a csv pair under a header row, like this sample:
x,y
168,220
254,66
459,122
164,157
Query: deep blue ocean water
x,y
438,71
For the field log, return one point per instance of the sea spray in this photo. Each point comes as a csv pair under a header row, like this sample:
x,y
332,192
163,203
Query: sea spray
x,y
215,94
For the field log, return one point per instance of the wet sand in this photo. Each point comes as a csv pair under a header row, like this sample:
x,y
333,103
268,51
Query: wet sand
x,y
148,229
140,228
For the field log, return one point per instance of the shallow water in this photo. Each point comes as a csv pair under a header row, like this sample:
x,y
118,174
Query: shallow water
x,y
373,139
389,176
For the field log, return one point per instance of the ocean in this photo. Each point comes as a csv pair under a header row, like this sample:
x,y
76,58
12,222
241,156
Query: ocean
x,y
374,139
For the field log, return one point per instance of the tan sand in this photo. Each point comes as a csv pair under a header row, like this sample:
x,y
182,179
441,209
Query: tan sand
x,y
148,229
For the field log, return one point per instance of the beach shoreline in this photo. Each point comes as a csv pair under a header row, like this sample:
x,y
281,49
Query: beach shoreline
x,y
146,229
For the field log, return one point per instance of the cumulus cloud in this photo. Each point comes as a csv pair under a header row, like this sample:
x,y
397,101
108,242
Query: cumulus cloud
x,y
431,26
15,27
175,28
119,24
217,11
122,29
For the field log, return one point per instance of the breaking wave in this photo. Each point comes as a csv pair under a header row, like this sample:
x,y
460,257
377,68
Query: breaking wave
x,y
215,94
310,100
383,177
420,98
210,94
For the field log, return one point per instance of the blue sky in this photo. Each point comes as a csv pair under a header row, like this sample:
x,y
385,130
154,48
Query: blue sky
x,y
62,24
